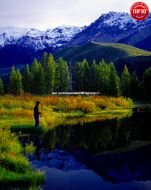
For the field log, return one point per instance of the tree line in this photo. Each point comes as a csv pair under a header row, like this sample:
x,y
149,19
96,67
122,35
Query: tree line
x,y
47,75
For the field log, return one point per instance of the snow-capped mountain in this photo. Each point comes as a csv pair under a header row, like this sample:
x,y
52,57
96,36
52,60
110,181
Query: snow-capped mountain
x,y
114,27
21,45
37,39
110,27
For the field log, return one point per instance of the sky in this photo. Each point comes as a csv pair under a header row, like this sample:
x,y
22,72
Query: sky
x,y
45,14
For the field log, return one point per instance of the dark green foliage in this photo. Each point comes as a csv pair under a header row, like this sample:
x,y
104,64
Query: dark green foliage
x,y
77,80
93,82
125,82
1,87
35,76
147,83
19,82
44,60
41,81
85,74
27,79
47,76
13,79
114,81
50,74
15,85
135,87
38,78
62,79
103,77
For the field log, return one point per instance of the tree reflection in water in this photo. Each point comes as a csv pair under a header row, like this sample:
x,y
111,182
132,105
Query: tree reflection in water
x,y
117,149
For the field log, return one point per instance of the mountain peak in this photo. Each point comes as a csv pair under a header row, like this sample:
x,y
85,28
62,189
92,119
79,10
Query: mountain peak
x,y
119,20
114,27
37,38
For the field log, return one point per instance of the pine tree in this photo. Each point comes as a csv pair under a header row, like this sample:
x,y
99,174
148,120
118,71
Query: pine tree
x,y
38,78
1,87
35,76
44,60
41,81
15,85
93,82
27,79
19,86
103,77
81,76
125,82
85,71
13,81
114,81
135,86
76,77
35,66
50,74
62,82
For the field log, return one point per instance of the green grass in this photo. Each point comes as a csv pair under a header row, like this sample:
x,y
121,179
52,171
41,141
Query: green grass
x,y
17,112
131,51
15,169
28,179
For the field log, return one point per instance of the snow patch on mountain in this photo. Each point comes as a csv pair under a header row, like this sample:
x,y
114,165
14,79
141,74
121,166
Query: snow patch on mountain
x,y
110,27
119,20
36,38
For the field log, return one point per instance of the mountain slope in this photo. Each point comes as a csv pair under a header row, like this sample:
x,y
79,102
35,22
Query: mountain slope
x,y
141,39
115,27
98,51
120,54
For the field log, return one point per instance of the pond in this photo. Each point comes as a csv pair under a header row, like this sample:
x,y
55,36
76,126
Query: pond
x,y
110,154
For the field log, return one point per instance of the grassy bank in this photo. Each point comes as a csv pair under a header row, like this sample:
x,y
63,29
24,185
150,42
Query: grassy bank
x,y
15,169
17,112
17,115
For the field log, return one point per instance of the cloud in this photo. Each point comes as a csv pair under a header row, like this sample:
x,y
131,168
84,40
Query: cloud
x,y
51,13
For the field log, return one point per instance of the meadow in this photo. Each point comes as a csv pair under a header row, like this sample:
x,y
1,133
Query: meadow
x,y
16,115
17,111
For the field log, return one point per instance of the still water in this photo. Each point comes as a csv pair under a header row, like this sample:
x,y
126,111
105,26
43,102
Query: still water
x,y
98,136
110,155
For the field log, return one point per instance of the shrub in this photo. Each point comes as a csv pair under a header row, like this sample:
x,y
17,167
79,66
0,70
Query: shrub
x,y
87,107
30,148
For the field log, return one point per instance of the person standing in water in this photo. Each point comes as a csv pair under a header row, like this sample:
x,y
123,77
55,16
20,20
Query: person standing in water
x,y
36,114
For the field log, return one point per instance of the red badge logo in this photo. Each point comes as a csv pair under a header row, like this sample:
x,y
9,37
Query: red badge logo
x,y
139,11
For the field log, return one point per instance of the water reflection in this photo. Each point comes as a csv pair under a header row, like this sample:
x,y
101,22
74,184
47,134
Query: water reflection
x,y
99,136
94,136
98,118
117,149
